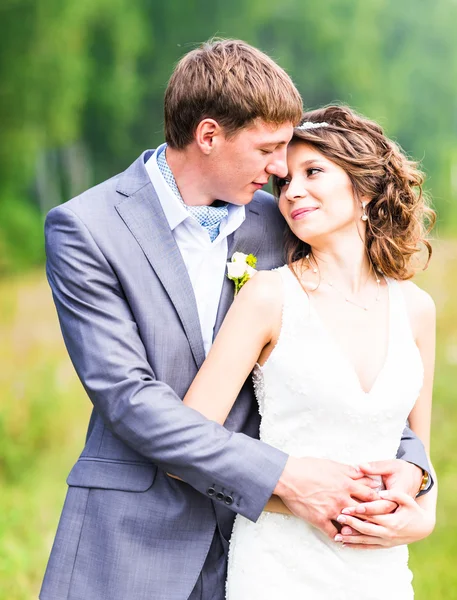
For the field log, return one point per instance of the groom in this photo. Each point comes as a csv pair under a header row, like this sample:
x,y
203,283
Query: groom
x,y
137,270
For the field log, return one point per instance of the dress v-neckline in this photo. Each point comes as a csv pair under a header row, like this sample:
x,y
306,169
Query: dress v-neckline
x,y
337,346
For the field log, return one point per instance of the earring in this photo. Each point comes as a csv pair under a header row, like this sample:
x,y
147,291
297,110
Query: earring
x,y
364,216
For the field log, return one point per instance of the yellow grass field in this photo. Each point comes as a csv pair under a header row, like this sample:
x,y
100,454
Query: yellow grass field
x,y
44,412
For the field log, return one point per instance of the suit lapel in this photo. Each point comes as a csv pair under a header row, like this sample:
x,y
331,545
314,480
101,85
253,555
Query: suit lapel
x,y
141,211
242,240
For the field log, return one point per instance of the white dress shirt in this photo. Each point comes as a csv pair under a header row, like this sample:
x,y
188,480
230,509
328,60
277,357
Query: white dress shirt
x,y
205,260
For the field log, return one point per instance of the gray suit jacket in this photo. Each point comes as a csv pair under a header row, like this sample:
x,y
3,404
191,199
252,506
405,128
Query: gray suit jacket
x,y
129,319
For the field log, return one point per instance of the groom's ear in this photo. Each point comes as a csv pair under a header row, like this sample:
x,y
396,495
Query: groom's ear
x,y
207,135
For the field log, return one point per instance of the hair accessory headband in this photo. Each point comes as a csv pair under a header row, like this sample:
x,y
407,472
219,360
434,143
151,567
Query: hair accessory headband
x,y
311,125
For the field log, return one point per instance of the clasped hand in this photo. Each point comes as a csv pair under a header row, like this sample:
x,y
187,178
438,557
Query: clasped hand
x,y
317,490
323,492
395,519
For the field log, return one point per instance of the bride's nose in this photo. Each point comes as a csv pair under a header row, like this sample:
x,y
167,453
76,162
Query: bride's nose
x,y
296,190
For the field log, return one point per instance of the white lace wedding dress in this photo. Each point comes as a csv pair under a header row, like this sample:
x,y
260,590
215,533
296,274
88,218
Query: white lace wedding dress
x,y
312,404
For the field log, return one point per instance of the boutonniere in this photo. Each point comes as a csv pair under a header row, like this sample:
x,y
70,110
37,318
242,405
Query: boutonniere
x,y
241,269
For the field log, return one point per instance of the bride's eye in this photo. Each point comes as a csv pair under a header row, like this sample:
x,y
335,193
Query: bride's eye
x,y
282,182
313,171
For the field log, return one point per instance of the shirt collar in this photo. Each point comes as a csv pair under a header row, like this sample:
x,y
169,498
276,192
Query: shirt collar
x,y
174,209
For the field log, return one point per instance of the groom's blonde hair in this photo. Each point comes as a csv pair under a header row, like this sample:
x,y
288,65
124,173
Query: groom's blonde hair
x,y
231,82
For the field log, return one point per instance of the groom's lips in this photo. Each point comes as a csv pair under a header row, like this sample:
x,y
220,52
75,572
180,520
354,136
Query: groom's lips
x,y
259,184
302,212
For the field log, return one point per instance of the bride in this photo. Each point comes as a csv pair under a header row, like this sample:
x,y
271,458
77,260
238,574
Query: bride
x,y
341,345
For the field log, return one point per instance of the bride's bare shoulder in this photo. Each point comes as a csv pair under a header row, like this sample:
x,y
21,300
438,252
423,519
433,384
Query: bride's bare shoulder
x,y
264,290
418,300
420,305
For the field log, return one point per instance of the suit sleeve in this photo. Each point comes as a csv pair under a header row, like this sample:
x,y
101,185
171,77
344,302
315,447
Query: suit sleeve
x,y
105,347
412,450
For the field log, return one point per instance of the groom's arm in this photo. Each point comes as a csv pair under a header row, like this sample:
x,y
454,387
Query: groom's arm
x,y
104,344
412,451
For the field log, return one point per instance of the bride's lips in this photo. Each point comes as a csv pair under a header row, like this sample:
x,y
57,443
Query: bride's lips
x,y
302,212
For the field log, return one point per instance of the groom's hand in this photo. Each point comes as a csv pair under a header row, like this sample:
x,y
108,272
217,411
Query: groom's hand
x,y
317,490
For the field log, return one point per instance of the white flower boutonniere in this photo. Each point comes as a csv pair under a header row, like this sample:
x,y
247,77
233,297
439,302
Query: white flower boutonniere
x,y
241,269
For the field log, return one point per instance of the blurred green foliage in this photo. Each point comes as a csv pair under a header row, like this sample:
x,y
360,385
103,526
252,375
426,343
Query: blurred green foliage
x,y
21,235
81,85
43,415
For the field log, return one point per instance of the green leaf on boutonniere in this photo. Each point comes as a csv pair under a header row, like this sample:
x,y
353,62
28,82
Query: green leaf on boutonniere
x,y
241,269
251,260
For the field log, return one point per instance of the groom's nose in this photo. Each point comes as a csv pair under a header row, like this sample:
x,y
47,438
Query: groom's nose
x,y
278,166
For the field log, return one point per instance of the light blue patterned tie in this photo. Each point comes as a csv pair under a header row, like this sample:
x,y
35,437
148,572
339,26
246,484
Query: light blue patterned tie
x,y
209,217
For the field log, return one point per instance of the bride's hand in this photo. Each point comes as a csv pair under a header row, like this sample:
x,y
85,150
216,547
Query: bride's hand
x,y
396,474
409,523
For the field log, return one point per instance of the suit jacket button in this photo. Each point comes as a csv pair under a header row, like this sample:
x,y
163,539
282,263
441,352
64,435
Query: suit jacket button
x,y
228,500
210,491
220,496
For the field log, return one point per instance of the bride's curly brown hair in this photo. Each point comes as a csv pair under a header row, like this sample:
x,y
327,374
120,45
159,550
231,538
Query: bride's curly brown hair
x,y
399,217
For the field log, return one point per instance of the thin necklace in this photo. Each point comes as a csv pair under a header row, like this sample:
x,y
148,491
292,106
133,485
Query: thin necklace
x,y
345,296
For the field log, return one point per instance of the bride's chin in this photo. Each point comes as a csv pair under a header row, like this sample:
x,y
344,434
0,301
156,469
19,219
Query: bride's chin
x,y
307,237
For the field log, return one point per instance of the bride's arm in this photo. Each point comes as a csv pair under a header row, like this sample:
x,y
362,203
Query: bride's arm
x,y
413,519
421,414
247,335
248,332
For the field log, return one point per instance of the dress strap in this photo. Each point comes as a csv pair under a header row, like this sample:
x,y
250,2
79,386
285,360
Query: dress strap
x,y
296,299
400,324
295,306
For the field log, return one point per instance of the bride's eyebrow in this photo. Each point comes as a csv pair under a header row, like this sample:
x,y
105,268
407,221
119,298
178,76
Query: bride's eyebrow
x,y
311,161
